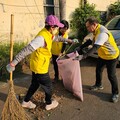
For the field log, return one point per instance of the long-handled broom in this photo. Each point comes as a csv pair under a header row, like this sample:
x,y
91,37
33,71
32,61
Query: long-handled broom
x,y
12,109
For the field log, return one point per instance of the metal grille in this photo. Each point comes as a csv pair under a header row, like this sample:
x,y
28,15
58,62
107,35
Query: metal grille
x,y
51,7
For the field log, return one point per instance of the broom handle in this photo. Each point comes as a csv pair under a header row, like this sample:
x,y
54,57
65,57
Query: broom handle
x,y
68,48
11,43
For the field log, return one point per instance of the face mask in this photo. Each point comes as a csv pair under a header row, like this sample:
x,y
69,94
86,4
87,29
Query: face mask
x,y
54,32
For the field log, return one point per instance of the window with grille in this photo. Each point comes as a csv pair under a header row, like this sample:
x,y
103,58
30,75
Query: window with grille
x,y
51,7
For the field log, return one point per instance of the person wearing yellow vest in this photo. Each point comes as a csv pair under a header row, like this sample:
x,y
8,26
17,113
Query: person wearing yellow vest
x,y
108,52
40,47
59,47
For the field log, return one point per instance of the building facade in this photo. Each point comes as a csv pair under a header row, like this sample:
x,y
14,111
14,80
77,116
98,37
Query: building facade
x,y
29,15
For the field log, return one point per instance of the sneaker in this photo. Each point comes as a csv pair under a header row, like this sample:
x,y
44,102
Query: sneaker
x,y
115,98
28,104
95,87
53,105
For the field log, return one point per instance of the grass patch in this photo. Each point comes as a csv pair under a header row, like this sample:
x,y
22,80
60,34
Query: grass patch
x,y
5,58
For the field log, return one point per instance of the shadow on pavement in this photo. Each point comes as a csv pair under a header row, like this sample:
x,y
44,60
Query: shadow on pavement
x,y
59,90
3,96
89,62
98,93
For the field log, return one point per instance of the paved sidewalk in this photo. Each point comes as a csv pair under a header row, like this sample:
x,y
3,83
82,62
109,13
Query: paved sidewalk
x,y
96,105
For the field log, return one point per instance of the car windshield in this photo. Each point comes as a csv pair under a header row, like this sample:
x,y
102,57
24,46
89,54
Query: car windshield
x,y
114,24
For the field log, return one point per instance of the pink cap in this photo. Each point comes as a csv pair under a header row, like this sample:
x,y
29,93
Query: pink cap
x,y
53,20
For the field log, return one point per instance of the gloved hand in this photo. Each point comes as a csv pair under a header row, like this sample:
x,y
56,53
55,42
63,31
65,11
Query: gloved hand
x,y
10,67
75,40
80,57
60,54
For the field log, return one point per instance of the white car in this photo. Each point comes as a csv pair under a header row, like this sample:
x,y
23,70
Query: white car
x,y
114,27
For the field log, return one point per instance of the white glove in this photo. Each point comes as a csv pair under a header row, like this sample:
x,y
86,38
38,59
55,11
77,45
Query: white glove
x,y
10,67
80,57
75,41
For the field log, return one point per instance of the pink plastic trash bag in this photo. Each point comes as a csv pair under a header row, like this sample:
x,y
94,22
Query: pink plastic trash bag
x,y
69,70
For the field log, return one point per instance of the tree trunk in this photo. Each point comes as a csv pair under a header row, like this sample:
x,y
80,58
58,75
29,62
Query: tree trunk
x,y
83,2
62,7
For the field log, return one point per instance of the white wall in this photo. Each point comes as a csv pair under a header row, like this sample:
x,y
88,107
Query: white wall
x,y
71,5
27,17
102,5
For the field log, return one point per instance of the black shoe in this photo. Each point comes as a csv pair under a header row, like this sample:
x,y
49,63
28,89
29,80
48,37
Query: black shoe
x,y
115,98
95,87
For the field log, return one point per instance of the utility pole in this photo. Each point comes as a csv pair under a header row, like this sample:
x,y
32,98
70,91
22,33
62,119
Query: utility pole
x,y
62,9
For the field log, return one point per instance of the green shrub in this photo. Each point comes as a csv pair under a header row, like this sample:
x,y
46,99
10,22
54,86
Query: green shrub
x,y
79,17
5,51
5,58
113,10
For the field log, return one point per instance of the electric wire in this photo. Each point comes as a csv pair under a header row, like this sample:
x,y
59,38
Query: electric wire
x,y
38,9
30,12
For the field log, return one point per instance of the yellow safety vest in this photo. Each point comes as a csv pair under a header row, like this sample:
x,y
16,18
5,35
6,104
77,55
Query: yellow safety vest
x,y
109,50
40,58
57,46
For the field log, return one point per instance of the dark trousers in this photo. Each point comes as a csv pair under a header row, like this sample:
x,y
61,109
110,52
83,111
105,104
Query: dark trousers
x,y
111,71
46,84
54,57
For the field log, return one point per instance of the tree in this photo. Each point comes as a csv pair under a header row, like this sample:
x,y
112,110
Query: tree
x,y
79,17
113,10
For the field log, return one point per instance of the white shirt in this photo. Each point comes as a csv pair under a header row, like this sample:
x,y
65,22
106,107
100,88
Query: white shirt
x,y
102,38
40,42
